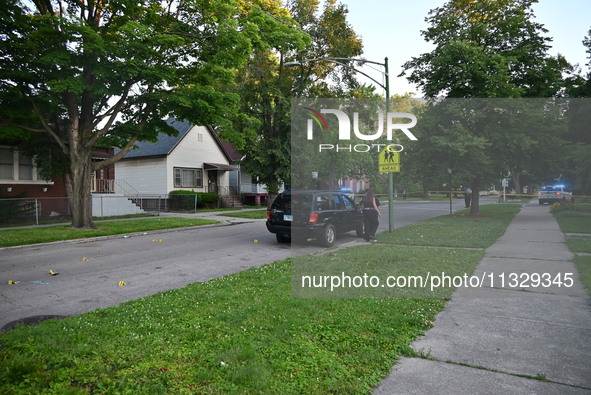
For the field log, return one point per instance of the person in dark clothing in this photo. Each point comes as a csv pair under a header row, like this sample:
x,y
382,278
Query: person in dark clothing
x,y
371,212
467,196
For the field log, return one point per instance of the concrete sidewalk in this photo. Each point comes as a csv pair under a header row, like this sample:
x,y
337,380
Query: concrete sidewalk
x,y
509,338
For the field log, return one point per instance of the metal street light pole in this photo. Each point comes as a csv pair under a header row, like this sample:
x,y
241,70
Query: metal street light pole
x,y
449,170
390,175
387,89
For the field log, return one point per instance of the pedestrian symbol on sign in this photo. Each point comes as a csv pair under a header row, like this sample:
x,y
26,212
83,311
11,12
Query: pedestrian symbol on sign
x,y
389,156
389,160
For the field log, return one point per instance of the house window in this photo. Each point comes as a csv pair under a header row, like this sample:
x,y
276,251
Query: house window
x,y
16,166
25,167
6,164
188,178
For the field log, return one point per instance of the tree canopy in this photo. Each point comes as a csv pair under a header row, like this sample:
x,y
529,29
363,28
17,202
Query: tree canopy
x,y
91,73
266,85
484,49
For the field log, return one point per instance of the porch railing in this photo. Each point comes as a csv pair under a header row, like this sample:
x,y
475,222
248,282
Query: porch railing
x,y
102,186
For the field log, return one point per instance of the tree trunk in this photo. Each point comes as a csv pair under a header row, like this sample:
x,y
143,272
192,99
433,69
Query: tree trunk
x,y
69,190
475,200
331,182
516,181
425,191
81,169
272,192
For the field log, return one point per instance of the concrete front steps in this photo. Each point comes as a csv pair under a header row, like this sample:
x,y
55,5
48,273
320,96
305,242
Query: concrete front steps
x,y
231,201
112,204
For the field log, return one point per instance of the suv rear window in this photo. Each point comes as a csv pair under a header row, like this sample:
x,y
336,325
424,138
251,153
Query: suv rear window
x,y
301,201
297,201
324,202
282,202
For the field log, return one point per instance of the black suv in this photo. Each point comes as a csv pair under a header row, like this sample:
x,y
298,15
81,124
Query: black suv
x,y
306,214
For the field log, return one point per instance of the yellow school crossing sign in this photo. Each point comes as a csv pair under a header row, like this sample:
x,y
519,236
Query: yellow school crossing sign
x,y
389,161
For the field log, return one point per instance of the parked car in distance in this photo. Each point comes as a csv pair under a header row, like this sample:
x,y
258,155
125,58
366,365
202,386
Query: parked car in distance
x,y
312,214
554,193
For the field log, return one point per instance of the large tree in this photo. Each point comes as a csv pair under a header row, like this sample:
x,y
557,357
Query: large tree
x,y
579,136
93,72
266,85
484,49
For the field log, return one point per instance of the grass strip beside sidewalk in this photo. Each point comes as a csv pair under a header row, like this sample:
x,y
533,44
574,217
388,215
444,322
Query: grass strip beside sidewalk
x,y
242,333
458,230
15,237
576,218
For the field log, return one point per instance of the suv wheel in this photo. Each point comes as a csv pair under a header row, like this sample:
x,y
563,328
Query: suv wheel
x,y
329,235
281,238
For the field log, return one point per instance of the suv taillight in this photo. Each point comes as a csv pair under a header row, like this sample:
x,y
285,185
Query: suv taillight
x,y
268,215
313,218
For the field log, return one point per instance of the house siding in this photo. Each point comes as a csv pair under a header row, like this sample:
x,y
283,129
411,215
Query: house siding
x,y
195,149
155,175
145,175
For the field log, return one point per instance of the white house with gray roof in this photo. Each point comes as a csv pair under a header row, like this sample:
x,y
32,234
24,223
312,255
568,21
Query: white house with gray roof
x,y
193,160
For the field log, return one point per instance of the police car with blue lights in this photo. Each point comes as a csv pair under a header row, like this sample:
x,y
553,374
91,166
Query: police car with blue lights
x,y
554,194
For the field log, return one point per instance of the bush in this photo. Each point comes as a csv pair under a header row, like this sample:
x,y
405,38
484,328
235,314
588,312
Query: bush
x,y
185,200
14,210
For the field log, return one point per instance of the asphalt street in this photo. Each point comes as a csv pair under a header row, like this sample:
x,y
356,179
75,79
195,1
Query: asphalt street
x,y
90,270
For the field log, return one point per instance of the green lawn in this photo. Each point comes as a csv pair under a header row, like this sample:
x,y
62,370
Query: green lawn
x,y
576,218
456,231
242,333
579,243
583,263
573,218
13,237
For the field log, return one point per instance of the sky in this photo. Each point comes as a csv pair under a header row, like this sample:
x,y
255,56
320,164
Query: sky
x,y
392,28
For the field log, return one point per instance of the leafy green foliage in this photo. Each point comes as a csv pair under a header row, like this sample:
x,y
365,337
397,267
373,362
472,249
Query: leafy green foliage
x,y
266,85
90,74
11,208
488,49
185,200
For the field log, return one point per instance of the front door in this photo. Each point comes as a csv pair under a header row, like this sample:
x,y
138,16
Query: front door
x,y
212,181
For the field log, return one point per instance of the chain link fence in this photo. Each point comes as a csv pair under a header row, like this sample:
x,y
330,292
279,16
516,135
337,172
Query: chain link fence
x,y
47,210
34,211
